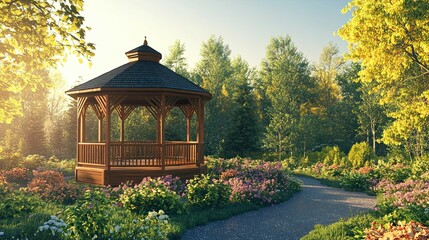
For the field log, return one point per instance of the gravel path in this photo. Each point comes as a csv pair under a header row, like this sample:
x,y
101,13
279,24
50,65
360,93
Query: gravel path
x,y
314,204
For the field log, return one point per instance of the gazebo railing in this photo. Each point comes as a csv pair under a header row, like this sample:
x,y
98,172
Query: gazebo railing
x,y
179,153
91,154
140,154
135,154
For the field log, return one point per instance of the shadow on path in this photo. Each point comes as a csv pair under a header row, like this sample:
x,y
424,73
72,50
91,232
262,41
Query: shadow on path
x,y
314,204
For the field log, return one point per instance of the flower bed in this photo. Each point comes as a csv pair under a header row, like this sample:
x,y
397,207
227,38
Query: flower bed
x,y
122,212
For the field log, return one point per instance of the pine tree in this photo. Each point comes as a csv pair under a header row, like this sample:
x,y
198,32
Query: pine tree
x,y
242,137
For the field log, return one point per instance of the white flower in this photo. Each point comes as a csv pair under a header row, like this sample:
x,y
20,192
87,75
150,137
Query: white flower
x,y
54,217
117,228
152,214
163,217
1,233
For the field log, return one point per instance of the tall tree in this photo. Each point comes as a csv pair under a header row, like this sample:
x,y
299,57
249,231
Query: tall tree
x,y
32,123
349,105
242,136
213,72
176,122
285,73
325,72
390,39
371,115
34,36
176,60
70,130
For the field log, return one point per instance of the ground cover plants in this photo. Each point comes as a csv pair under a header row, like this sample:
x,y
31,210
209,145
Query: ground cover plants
x,y
40,203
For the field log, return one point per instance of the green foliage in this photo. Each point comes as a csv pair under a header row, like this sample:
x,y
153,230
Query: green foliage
x,y
16,203
242,137
36,35
401,28
288,86
176,60
195,218
332,155
213,73
33,161
205,192
89,216
154,226
396,172
360,155
355,181
420,168
25,225
151,195
342,230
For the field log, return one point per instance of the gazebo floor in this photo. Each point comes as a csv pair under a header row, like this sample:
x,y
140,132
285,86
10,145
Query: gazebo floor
x,y
117,175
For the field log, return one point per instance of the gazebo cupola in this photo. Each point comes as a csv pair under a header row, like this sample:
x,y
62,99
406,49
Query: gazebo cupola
x,y
142,82
144,53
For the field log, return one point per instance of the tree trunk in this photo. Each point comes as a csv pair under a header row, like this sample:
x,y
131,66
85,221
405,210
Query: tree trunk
x,y
373,134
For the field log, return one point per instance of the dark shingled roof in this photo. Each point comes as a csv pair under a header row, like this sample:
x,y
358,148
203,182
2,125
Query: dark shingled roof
x,y
144,48
141,74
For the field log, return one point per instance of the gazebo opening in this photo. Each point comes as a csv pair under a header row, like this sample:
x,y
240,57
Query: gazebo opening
x,y
126,118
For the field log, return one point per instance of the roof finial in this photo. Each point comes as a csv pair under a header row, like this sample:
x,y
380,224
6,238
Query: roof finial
x,y
145,41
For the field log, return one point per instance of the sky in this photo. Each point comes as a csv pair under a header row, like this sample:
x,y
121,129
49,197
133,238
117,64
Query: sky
x,y
246,26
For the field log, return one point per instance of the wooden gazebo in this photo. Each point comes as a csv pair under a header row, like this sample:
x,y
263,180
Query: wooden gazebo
x,y
142,82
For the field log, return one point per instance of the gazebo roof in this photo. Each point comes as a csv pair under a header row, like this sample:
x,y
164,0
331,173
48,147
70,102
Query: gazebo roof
x,y
142,72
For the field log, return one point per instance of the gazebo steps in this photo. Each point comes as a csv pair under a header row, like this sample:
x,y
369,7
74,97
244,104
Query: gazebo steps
x,y
118,175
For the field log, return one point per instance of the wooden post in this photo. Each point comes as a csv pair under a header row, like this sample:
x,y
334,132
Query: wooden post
x,y
200,132
162,132
122,136
82,126
188,128
78,141
100,129
107,136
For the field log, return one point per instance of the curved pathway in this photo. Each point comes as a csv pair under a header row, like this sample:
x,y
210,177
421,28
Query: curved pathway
x,y
314,204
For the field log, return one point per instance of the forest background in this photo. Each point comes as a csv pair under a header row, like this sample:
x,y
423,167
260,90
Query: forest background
x,y
376,96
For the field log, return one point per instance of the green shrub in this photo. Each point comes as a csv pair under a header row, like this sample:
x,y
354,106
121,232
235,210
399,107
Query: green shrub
x,y
88,218
360,155
205,192
153,226
33,161
15,203
9,160
397,172
151,195
420,168
121,225
66,166
355,181
342,230
333,155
